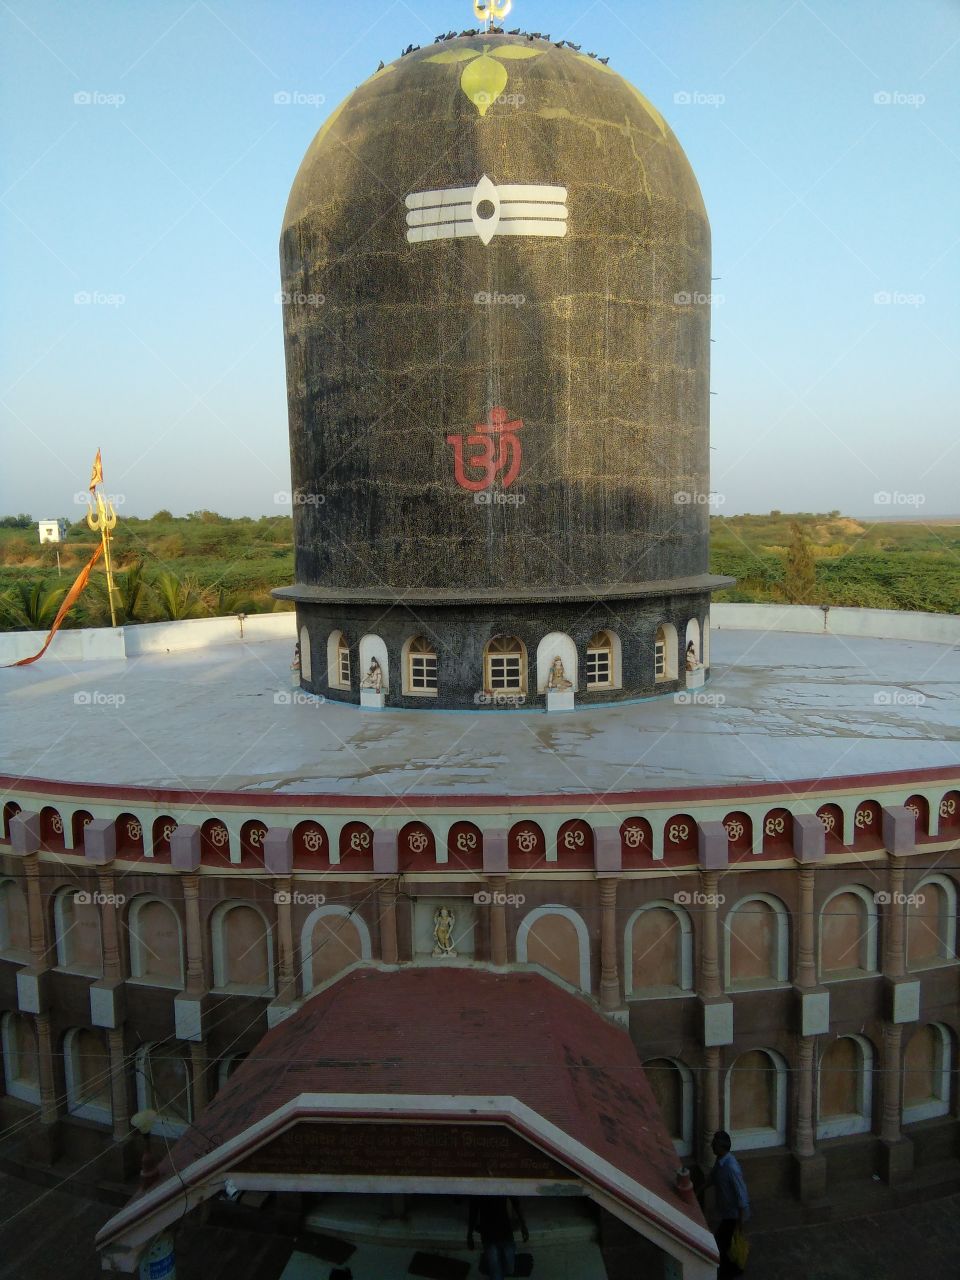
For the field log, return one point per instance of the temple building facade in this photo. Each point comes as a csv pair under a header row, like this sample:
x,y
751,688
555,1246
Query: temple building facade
x,y
538,870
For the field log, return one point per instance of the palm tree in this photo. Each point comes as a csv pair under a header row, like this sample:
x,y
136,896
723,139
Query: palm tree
x,y
31,607
131,598
178,598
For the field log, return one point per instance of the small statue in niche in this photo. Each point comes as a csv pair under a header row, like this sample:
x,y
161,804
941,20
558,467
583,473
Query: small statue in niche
x,y
374,677
556,679
443,922
295,664
693,663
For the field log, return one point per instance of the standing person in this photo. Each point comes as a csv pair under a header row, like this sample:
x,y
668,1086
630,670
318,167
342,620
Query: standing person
x,y
733,1203
491,1214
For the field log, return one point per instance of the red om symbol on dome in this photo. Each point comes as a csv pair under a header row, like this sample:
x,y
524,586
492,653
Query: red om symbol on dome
x,y
495,442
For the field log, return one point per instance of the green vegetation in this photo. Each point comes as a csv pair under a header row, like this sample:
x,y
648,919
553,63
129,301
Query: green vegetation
x,y
872,565
206,564
166,567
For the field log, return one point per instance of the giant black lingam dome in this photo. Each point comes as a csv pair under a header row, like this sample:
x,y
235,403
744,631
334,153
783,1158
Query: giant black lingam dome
x,y
496,268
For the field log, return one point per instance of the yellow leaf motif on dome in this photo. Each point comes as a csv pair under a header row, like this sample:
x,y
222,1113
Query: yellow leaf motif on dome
x,y
483,81
484,78
648,106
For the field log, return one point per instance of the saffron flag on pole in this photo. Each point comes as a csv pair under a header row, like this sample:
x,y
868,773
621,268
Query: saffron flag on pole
x,y
96,475
68,601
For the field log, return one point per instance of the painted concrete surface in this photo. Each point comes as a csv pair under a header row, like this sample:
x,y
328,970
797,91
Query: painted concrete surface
x,y
884,624
777,706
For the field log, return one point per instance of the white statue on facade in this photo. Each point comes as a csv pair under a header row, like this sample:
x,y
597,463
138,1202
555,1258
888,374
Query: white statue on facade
x,y
374,677
443,922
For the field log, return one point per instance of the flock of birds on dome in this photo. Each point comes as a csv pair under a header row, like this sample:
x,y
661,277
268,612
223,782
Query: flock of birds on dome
x,y
499,31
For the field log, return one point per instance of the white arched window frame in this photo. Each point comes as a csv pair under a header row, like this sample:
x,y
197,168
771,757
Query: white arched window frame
x,y
419,664
665,652
782,948
705,639
869,935
947,923
62,926
221,960
7,889
16,1085
339,674
583,939
686,952
939,1104
163,1126
604,667
860,1121
306,656
505,665
74,1074
306,938
683,1145
138,955
761,1136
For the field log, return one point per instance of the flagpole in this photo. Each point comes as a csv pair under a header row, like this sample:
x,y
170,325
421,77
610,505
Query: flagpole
x,y
103,522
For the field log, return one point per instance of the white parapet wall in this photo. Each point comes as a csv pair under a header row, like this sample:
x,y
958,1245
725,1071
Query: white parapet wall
x,y
883,624
200,633
104,643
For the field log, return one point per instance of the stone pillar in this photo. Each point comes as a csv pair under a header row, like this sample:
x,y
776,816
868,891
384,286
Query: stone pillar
x,y
198,1077
710,986
191,900
894,965
804,1137
387,907
498,920
890,1079
35,916
48,1079
287,982
709,1104
119,1100
609,968
806,944
110,934
896,1150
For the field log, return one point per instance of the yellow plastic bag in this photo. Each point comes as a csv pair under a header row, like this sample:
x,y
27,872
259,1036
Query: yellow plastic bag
x,y
739,1249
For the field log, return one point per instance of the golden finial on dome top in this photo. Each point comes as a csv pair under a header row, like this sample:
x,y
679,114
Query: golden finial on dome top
x,y
493,10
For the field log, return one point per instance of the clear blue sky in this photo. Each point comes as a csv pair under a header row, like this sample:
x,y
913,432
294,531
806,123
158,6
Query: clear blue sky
x,y
819,198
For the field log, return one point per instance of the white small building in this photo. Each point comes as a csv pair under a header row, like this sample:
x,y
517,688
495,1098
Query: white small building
x,y
52,531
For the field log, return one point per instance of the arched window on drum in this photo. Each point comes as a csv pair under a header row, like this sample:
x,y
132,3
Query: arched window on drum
x,y
672,1085
14,922
556,938
927,1062
756,1100
163,1086
848,934
419,666
156,943
658,951
76,922
756,943
21,1058
87,1070
505,666
845,1088
932,923
242,949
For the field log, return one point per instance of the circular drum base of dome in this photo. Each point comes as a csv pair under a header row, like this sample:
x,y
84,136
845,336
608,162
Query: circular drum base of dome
x,y
483,656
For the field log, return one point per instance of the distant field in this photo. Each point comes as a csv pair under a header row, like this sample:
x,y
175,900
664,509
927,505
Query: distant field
x,y
204,564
